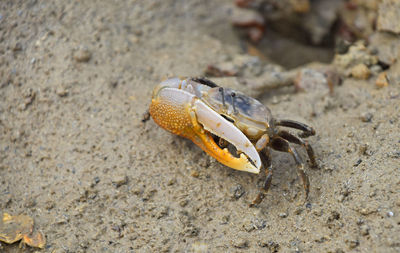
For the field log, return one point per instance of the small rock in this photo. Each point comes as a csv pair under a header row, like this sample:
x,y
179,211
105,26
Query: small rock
x,y
113,83
240,243
259,224
248,227
195,173
388,16
352,243
225,219
283,215
63,219
309,80
375,69
82,55
16,135
334,216
272,246
387,47
358,162
366,117
199,247
17,47
357,54
192,231
381,80
390,214
298,210
149,194
364,150
364,230
237,192
61,92
183,202
360,71
163,212
119,181
366,211
172,181
30,203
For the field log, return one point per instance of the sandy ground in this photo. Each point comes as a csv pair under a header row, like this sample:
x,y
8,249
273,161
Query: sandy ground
x,y
76,78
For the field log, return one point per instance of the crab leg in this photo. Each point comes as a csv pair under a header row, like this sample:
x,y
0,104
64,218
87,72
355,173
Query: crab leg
x,y
280,144
307,130
182,113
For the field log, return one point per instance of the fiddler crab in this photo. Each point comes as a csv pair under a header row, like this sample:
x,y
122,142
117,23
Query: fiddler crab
x,y
235,129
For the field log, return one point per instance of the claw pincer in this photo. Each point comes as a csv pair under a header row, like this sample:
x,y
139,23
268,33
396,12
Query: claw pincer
x,y
177,107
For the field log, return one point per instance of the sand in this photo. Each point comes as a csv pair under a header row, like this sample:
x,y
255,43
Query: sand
x,y
76,78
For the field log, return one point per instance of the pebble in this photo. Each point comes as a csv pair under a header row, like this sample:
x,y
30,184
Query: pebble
x,y
366,211
388,16
298,211
390,214
199,247
283,215
272,246
364,230
240,243
82,55
61,92
237,192
309,80
195,173
225,219
119,181
96,180
357,54
360,71
366,117
171,181
17,47
352,243
358,162
192,231
163,212
364,149
381,80
376,69
183,202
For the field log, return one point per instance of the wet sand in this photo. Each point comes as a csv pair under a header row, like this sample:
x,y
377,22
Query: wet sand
x,y
76,78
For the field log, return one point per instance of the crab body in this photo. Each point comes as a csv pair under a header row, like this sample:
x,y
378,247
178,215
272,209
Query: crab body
x,y
203,112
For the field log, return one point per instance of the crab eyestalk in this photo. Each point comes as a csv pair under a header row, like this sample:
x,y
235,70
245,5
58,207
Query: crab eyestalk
x,y
184,114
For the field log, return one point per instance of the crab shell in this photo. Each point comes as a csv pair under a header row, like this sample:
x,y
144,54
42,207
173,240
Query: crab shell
x,y
177,107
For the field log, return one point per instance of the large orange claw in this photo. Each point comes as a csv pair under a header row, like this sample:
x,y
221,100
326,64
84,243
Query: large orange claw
x,y
184,114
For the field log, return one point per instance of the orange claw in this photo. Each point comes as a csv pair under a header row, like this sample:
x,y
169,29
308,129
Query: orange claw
x,y
177,114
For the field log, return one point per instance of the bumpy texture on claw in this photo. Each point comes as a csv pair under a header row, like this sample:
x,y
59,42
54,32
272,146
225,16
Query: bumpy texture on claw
x,y
178,111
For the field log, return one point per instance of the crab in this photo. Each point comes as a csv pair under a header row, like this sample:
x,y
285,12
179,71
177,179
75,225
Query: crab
x,y
235,129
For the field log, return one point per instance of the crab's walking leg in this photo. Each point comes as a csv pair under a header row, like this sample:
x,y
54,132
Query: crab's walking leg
x,y
294,139
280,144
307,130
266,159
